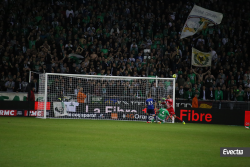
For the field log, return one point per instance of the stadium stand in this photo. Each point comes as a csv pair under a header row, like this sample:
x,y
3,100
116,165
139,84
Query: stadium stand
x,y
107,37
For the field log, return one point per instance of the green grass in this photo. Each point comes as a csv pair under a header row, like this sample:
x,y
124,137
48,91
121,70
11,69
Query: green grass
x,y
31,142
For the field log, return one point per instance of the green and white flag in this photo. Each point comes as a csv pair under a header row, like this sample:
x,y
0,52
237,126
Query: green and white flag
x,y
201,59
59,109
198,19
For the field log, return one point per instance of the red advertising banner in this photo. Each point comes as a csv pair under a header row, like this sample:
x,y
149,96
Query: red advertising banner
x,y
40,105
8,112
247,118
33,113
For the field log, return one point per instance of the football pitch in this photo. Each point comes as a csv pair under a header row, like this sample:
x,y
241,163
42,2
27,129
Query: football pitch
x,y
32,142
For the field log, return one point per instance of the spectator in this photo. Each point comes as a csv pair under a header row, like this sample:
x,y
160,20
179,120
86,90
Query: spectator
x,y
161,91
240,94
81,96
218,94
31,96
196,92
192,77
19,85
69,11
200,75
189,94
180,80
45,43
195,101
232,95
247,85
81,99
180,93
209,80
187,84
211,95
153,90
247,95
10,85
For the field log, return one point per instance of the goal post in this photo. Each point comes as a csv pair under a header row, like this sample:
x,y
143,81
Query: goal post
x,y
75,96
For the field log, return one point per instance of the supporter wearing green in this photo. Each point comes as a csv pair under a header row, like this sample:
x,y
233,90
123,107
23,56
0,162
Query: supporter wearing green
x,y
32,41
196,92
188,94
194,89
105,50
192,77
162,113
240,94
218,94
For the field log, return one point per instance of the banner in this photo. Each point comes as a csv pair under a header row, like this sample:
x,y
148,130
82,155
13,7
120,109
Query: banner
x,y
198,19
96,99
247,118
188,104
201,59
59,109
33,113
205,104
110,101
8,112
71,106
215,116
21,96
40,105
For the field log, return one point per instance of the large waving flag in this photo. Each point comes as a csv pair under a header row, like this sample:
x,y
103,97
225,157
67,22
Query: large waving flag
x,y
201,59
198,19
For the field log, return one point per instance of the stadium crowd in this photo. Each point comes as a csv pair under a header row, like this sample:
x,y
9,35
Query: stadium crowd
x,y
107,37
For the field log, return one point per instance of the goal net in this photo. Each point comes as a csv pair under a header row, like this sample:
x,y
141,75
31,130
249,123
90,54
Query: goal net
x,y
100,97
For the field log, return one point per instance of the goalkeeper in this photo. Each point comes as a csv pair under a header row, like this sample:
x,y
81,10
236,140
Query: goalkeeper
x,y
162,113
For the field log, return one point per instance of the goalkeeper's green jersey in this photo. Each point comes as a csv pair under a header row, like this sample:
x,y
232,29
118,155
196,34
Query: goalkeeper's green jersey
x,y
163,113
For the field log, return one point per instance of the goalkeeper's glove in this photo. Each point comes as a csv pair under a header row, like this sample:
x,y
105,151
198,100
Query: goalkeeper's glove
x,y
163,99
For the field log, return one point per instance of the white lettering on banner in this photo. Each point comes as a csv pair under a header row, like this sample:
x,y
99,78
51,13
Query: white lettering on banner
x,y
107,109
7,112
131,102
87,108
89,115
138,102
110,109
232,152
119,110
36,113
184,104
125,102
82,115
97,110
137,116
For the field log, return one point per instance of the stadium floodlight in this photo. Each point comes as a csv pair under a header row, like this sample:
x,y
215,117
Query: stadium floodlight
x,y
76,96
